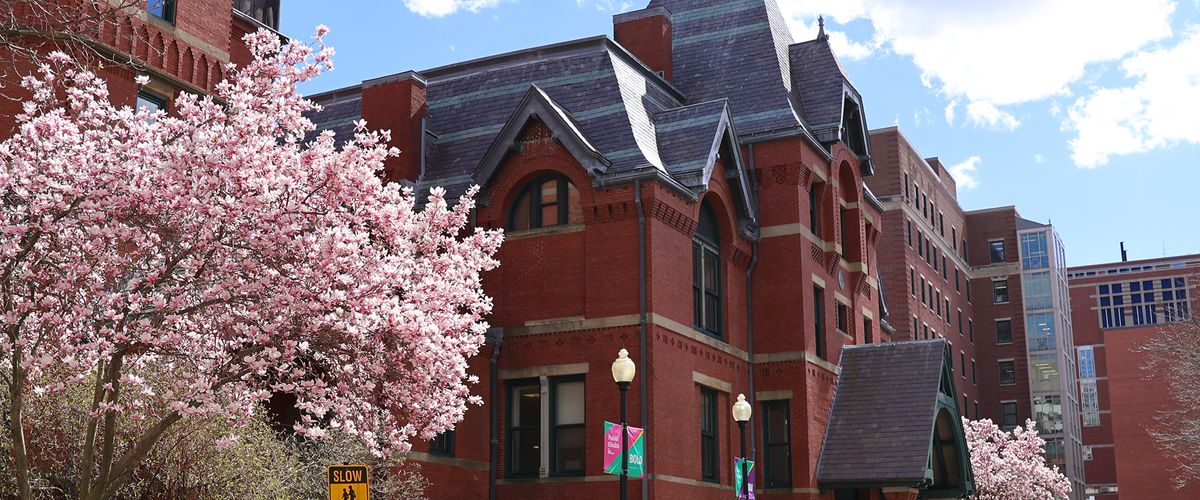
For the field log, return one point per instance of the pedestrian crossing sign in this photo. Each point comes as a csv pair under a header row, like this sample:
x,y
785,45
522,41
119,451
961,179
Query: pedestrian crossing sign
x,y
349,482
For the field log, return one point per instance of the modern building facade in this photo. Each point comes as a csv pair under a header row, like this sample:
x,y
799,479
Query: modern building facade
x,y
1115,308
1018,273
692,192
182,46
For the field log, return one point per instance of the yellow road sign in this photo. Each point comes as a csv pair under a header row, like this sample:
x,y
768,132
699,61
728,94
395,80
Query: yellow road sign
x,y
349,482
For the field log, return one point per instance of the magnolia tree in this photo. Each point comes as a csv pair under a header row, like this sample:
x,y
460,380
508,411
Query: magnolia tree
x,y
1011,465
218,252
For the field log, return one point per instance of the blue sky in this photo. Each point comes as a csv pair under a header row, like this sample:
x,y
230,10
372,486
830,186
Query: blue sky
x,y
1085,113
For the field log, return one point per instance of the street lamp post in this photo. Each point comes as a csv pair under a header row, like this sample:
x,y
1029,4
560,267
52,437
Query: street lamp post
x,y
623,370
741,413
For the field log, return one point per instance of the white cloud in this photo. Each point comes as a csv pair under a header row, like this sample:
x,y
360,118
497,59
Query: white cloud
x,y
922,116
1039,158
608,6
439,8
996,53
984,114
964,173
950,114
1159,110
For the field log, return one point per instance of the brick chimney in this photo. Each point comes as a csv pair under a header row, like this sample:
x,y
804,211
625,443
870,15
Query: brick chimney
x,y
646,34
397,103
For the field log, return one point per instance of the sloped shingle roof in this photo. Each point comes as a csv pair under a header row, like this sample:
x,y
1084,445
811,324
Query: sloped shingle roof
x,y
881,422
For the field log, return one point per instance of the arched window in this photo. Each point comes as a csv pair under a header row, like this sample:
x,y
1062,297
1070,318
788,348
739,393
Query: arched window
x,y
706,273
549,200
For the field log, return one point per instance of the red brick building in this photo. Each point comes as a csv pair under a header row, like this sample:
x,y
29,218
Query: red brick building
x,y
1115,307
182,45
692,192
923,256
992,284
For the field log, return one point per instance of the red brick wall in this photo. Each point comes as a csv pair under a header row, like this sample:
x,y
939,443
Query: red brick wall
x,y
1142,470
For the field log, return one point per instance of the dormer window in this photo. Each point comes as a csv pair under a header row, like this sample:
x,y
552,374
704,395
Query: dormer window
x,y
549,200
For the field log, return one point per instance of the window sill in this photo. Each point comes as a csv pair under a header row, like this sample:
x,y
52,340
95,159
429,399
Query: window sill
x,y
1008,385
543,231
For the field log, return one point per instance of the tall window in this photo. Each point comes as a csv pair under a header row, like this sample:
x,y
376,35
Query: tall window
x,y
908,234
565,410
1003,331
819,319
1008,414
1000,291
566,426
814,209
974,380
549,200
777,443
706,274
443,444
162,9
524,428
971,329
843,320
1008,372
996,250
709,449
912,281
867,333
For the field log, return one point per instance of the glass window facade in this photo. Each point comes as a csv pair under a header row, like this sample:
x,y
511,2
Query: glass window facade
x,y
1033,251
1038,291
1039,331
1143,302
1043,372
1047,410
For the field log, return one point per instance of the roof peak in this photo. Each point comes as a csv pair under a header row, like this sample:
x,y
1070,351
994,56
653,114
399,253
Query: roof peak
x,y
821,36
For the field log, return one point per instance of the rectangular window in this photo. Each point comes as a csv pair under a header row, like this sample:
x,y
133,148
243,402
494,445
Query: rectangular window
x,y
977,410
964,407
908,234
1033,251
960,323
925,331
957,285
945,276
968,291
941,224
1008,372
946,302
912,281
843,321
162,9
819,320
709,449
916,329
151,101
923,299
1008,414
1043,370
443,444
1003,331
962,362
954,240
974,380
1000,291
1087,362
1039,331
971,329
937,302
1089,402
777,437
566,426
814,212
920,244
706,288
996,250
1047,412
868,332
524,428
906,186
935,260
1038,290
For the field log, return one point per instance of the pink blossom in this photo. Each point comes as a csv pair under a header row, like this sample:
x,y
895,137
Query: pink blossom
x,y
1011,465
220,246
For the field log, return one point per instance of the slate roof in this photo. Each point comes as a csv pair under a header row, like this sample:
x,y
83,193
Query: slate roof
x,y
735,49
620,109
820,82
732,74
881,422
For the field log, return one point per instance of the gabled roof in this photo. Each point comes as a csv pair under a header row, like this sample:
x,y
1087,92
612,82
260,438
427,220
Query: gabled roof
x,y
826,95
537,104
881,425
619,118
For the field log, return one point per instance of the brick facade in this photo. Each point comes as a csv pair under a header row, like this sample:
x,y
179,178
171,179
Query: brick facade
x,y
1124,461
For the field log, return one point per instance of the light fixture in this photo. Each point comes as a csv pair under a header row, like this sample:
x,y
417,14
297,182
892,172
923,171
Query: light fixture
x,y
623,368
742,409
